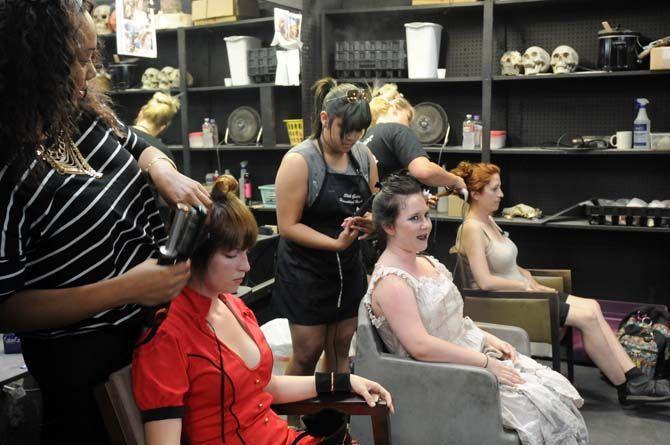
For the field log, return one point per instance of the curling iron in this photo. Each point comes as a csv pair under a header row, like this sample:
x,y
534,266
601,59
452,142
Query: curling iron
x,y
187,226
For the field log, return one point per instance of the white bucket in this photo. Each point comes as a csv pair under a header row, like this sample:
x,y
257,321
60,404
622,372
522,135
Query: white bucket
x,y
237,47
423,49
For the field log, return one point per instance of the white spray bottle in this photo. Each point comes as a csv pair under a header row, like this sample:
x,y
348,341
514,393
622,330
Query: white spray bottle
x,y
641,125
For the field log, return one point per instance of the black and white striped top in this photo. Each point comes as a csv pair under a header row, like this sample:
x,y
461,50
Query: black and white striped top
x,y
71,230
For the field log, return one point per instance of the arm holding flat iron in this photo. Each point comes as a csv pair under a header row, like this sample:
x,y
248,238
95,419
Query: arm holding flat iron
x,y
172,185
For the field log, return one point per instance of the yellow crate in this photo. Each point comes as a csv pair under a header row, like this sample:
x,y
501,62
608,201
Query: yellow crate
x,y
295,130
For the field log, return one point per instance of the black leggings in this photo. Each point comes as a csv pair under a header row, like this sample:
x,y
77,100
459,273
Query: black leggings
x,y
564,307
67,369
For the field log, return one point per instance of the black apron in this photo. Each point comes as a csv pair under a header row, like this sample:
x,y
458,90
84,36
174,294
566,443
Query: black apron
x,y
315,286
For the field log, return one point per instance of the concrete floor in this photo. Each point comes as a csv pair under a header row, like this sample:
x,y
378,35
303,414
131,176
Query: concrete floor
x,y
609,423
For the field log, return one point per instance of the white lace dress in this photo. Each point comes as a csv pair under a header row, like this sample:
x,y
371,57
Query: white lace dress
x,y
543,410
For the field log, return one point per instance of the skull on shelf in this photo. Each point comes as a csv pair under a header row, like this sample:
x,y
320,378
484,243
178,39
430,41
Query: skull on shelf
x,y
150,79
535,61
174,77
511,64
564,59
163,81
101,15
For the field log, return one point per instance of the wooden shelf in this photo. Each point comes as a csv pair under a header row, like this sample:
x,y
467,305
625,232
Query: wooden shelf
x,y
581,75
230,25
405,9
559,224
230,147
573,152
474,79
237,87
448,149
541,3
139,91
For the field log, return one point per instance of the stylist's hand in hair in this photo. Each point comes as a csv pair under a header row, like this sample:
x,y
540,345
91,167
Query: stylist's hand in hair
x,y
347,236
175,187
149,284
458,184
370,391
363,224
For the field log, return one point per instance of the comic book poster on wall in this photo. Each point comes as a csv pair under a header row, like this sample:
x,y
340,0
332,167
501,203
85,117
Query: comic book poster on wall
x,y
136,28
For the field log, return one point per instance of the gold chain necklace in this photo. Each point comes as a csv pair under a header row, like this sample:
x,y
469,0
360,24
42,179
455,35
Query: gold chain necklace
x,y
66,159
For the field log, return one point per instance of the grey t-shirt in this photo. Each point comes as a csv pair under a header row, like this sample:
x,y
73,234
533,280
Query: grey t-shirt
x,y
316,167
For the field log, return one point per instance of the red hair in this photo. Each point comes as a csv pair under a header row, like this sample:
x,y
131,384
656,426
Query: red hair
x,y
477,175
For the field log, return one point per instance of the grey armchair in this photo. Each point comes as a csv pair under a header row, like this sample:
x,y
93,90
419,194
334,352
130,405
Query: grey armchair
x,y
436,403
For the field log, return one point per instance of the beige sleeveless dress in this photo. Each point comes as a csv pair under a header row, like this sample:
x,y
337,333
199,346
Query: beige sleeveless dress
x,y
543,410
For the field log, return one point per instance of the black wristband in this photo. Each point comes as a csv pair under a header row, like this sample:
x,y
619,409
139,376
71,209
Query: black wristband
x,y
329,383
322,380
342,382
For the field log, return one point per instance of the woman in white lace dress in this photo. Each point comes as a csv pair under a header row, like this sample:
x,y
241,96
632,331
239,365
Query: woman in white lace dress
x,y
418,312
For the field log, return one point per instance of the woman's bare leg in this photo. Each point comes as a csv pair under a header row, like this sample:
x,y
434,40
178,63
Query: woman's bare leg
x,y
584,316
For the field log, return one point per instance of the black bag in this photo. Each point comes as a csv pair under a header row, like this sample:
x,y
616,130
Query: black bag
x,y
329,425
644,334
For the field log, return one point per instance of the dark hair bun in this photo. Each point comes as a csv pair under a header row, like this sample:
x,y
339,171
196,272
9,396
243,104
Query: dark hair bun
x,y
224,184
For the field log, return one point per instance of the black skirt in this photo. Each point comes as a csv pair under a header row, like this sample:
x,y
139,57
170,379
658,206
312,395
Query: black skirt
x,y
310,283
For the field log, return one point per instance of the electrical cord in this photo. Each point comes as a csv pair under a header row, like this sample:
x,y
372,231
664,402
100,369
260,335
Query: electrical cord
x,y
574,142
223,390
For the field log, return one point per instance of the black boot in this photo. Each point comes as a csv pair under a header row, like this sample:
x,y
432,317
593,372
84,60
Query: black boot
x,y
642,389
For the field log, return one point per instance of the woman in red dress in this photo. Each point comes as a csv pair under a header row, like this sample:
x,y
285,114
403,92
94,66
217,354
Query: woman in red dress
x,y
210,337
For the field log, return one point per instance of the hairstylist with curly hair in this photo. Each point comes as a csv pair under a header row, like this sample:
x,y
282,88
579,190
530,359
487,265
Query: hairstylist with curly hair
x,y
78,223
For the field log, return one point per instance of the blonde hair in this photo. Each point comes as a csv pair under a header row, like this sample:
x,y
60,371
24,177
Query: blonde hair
x,y
160,109
387,91
380,106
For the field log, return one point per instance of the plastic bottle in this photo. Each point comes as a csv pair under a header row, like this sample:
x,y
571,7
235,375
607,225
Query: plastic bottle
x,y
242,181
210,178
247,187
215,131
478,132
207,140
468,133
641,125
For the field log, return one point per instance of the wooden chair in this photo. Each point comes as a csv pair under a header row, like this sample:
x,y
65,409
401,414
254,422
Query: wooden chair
x,y
124,424
538,313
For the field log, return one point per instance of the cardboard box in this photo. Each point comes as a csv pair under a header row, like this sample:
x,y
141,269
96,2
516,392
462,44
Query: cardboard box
x,y
441,2
660,58
215,11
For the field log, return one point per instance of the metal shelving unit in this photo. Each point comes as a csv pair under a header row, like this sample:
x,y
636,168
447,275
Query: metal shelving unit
x,y
537,109
559,224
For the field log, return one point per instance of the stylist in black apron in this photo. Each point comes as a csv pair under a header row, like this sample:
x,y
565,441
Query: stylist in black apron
x,y
320,184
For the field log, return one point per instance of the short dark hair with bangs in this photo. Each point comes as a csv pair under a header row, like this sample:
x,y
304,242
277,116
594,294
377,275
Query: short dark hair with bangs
x,y
231,225
332,98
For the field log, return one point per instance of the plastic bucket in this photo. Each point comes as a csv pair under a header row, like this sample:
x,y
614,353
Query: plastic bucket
x,y
423,48
237,47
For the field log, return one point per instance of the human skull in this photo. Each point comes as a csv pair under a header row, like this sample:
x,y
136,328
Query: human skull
x,y
163,81
564,59
174,77
535,61
511,63
150,79
101,15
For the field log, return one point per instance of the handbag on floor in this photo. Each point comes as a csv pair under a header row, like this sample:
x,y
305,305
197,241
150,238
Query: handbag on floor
x,y
645,335
329,425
